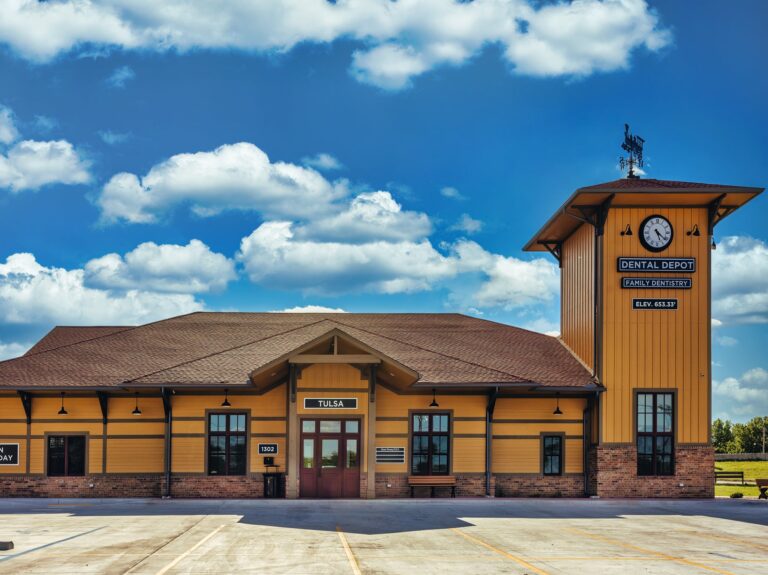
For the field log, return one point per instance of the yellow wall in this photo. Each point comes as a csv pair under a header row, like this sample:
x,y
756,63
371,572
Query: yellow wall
x,y
656,349
577,311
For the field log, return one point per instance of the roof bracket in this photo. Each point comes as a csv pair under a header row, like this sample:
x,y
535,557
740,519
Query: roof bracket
x,y
714,215
104,404
166,394
555,248
26,402
601,215
372,383
292,369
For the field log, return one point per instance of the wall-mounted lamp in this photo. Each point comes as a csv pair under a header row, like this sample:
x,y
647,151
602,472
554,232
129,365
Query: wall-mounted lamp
x,y
694,231
714,245
136,410
62,411
226,403
434,400
557,408
626,231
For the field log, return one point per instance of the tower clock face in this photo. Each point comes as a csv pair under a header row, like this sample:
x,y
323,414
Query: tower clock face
x,y
656,233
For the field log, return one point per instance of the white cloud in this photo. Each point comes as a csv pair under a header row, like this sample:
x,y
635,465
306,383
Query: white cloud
x,y
30,164
8,131
746,396
231,177
9,350
452,193
543,325
370,215
113,138
120,77
34,294
193,268
467,224
45,124
397,41
740,280
311,309
727,341
323,162
716,323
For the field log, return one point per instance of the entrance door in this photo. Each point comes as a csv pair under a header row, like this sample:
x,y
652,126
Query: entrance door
x,y
330,458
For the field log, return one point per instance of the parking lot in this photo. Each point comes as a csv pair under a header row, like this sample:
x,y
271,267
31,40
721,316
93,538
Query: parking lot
x,y
478,536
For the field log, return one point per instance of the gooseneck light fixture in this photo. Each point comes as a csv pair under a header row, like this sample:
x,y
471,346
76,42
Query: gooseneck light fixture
x,y
62,411
557,408
226,403
626,231
136,410
434,400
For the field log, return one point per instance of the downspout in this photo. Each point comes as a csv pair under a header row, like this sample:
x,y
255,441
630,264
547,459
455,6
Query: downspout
x,y
489,437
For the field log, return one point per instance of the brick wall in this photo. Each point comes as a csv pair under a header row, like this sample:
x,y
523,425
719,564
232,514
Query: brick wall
x,y
592,470
617,473
530,485
146,485
217,486
396,485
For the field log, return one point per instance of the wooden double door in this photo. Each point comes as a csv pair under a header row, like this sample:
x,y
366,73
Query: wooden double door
x,y
330,458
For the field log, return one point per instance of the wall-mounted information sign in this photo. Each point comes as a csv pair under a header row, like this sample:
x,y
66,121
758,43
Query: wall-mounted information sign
x,y
390,455
657,283
654,304
684,265
9,453
330,403
267,448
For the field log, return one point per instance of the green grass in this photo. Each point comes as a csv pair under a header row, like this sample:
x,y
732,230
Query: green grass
x,y
752,470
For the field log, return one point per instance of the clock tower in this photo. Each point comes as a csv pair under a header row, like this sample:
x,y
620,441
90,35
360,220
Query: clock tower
x,y
635,259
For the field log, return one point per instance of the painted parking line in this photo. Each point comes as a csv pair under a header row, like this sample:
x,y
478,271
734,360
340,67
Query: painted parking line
x,y
178,559
659,554
348,550
519,560
736,540
51,544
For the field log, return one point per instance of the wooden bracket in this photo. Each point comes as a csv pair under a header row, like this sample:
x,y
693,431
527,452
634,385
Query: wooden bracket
x,y
716,212
372,383
104,404
167,407
292,376
555,248
26,402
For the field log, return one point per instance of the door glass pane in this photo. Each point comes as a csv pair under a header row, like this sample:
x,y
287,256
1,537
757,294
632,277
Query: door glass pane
x,y
420,465
329,453
308,426
76,455
440,445
420,423
217,455
55,455
236,455
330,427
237,422
352,426
351,453
440,423
308,457
420,444
439,464
218,423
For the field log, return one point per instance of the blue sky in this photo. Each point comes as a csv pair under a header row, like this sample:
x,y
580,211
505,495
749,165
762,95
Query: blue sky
x,y
349,156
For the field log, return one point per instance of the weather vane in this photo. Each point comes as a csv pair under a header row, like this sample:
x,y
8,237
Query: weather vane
x,y
633,145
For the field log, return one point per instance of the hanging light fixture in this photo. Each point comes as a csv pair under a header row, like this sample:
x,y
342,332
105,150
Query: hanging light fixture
x,y
62,411
226,403
434,401
714,245
136,410
557,409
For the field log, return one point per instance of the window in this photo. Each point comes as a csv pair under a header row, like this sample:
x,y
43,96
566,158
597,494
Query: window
x,y
655,435
66,455
430,444
552,456
227,444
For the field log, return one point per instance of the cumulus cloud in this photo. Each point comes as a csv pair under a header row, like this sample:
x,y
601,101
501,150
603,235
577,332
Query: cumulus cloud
x,y
231,177
311,309
740,280
8,131
452,193
323,162
397,41
467,224
31,293
193,268
29,165
120,77
113,138
727,341
12,349
743,396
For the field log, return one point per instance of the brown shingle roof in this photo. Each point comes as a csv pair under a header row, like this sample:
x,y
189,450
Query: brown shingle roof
x,y
62,335
224,348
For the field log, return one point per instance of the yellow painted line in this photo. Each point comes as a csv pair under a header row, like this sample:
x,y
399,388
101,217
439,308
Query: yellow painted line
x,y
737,540
176,561
519,560
659,554
348,551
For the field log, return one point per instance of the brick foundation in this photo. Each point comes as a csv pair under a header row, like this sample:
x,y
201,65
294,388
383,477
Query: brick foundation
x,y
143,485
617,473
218,486
530,485
392,485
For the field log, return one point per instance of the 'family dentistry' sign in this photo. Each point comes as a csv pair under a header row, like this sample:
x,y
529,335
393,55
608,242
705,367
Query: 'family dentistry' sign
x,y
9,453
330,403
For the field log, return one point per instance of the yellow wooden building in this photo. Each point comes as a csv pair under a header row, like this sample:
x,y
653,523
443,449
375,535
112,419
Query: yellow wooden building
x,y
391,405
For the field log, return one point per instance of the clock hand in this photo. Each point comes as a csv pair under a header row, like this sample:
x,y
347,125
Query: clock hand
x,y
658,234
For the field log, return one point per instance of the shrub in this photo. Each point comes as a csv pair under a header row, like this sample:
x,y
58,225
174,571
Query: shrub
x,y
737,495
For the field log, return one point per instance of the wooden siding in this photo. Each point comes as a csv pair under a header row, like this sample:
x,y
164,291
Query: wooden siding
x,y
135,455
656,349
577,310
332,376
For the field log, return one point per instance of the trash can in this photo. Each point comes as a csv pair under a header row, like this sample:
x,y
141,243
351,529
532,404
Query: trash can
x,y
274,485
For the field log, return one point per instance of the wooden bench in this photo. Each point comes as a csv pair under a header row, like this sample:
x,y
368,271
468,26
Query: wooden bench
x,y
432,481
730,475
762,486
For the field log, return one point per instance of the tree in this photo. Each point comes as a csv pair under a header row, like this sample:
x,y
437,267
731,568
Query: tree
x,y
722,435
749,436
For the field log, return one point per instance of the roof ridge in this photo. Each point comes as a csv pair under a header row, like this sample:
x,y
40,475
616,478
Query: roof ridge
x,y
128,328
224,351
437,352
119,328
